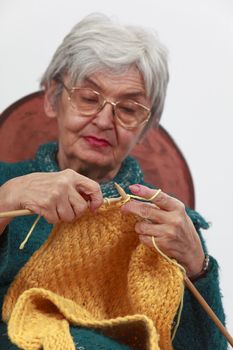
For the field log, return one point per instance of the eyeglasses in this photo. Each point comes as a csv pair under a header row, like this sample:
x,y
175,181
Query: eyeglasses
x,y
88,102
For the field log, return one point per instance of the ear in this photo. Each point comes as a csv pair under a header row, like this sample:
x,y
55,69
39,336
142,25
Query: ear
x,y
49,102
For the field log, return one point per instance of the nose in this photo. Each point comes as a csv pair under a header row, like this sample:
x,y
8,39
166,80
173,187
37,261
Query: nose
x,y
105,117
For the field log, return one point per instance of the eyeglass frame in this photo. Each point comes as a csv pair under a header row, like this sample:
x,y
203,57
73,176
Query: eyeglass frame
x,y
105,101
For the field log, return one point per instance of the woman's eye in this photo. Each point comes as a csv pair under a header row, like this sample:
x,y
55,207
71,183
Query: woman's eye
x,y
89,100
127,110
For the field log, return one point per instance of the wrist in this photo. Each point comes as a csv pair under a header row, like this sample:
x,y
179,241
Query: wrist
x,y
204,270
5,205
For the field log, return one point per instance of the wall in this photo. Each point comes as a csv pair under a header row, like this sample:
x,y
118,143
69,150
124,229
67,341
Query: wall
x,y
199,107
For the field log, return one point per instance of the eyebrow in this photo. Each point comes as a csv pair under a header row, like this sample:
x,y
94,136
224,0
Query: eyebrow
x,y
128,94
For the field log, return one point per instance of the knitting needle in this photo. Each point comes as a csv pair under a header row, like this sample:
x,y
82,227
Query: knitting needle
x,y
208,310
14,213
25,212
120,190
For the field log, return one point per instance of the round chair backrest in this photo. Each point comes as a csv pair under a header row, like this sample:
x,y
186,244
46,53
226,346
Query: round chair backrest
x,y
24,126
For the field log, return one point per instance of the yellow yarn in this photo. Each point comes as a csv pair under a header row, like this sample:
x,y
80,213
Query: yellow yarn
x,y
108,202
94,273
182,269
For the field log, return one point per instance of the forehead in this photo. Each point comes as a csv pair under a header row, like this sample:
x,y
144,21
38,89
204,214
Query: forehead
x,y
128,81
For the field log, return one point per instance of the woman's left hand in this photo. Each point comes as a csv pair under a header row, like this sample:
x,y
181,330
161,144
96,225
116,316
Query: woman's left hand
x,y
173,230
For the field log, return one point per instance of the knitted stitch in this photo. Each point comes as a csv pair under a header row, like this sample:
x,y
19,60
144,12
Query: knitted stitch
x,y
196,330
94,273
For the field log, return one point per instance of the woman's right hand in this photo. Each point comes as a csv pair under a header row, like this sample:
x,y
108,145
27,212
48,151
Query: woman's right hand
x,y
58,196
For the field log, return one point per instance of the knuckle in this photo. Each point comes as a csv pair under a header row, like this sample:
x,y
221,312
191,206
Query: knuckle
x,y
94,187
181,207
88,185
65,177
54,195
63,181
177,221
161,200
68,172
145,211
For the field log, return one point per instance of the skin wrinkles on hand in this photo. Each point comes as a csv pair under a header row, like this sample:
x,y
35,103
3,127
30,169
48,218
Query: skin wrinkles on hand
x,y
171,227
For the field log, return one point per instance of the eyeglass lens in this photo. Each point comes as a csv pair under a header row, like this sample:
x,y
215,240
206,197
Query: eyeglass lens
x,y
89,102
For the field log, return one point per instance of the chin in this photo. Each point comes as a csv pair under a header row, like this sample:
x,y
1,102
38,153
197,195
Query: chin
x,y
96,159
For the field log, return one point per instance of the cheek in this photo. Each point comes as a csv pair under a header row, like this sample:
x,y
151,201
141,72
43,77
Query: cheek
x,y
127,139
72,123
68,120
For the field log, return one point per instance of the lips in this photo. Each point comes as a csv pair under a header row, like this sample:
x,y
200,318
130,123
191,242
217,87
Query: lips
x,y
96,142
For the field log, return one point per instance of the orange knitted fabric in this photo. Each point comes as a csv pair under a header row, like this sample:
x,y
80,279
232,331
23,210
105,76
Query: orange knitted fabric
x,y
94,273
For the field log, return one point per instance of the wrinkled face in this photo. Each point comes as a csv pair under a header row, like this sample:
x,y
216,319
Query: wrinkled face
x,y
98,140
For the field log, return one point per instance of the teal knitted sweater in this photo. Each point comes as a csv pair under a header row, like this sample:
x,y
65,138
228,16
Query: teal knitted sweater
x,y
196,331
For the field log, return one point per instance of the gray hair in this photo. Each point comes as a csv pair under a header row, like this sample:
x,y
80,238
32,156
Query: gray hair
x,y
99,43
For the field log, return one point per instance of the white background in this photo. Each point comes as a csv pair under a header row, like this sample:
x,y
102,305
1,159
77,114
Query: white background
x,y
199,107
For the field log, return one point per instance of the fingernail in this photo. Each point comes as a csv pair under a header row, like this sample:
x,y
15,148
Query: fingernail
x,y
135,188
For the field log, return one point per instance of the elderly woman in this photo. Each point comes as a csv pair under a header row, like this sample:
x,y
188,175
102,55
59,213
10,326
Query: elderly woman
x,y
106,86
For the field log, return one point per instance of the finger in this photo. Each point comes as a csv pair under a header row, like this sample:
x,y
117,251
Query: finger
x,y
146,211
162,245
162,200
146,240
91,189
78,203
49,213
148,228
65,210
159,232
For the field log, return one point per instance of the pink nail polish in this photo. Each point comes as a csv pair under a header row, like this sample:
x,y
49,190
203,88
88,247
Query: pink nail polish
x,y
135,188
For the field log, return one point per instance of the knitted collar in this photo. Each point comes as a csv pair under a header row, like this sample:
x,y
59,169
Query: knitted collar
x,y
130,171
